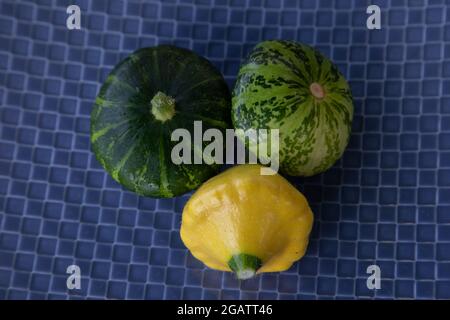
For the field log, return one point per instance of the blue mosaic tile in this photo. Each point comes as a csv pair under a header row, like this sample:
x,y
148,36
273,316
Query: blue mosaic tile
x,y
386,202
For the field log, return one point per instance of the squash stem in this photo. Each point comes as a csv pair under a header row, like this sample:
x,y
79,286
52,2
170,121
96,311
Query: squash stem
x,y
163,106
317,90
244,265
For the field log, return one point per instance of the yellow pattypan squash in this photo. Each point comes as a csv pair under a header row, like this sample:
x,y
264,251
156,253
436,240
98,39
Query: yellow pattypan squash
x,y
248,223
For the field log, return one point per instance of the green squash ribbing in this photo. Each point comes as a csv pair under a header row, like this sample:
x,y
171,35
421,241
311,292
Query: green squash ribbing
x,y
294,88
144,99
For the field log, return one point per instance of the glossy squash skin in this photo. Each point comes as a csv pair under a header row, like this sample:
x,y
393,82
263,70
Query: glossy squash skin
x,y
144,99
292,87
248,223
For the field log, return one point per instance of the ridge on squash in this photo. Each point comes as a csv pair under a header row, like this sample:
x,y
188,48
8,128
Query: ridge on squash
x,y
145,97
294,88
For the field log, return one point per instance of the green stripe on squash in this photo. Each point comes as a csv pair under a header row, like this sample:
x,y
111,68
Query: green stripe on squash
x,y
294,88
128,139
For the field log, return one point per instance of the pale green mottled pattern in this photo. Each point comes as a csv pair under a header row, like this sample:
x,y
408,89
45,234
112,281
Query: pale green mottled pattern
x,y
273,91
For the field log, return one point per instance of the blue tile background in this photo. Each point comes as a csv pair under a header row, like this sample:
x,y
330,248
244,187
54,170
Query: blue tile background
x,y
386,202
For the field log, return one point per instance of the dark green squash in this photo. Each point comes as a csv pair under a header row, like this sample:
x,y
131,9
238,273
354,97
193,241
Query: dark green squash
x,y
146,96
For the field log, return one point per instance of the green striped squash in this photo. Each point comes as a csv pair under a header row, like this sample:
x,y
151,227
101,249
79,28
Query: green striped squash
x,y
294,88
144,99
